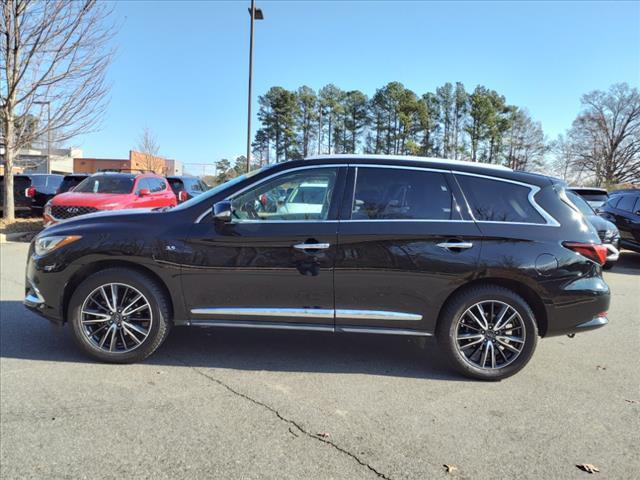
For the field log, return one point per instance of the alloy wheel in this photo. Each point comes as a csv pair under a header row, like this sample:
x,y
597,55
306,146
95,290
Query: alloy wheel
x,y
490,335
116,318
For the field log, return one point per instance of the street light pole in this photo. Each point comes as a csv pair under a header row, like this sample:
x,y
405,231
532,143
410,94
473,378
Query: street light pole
x,y
256,14
48,104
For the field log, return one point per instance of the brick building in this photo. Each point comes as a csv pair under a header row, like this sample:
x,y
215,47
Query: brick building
x,y
137,161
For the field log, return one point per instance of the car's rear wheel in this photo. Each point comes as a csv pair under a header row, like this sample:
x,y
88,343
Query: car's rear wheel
x,y
487,332
119,315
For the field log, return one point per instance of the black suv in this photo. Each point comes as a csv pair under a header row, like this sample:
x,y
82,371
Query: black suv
x,y
43,188
484,258
623,209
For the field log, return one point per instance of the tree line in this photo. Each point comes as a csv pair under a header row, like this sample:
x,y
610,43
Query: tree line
x,y
450,122
602,146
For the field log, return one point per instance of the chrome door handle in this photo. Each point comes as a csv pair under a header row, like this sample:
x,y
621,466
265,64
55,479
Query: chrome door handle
x,y
312,246
455,245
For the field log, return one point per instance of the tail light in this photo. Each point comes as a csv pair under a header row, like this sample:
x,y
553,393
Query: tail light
x,y
594,252
182,196
30,192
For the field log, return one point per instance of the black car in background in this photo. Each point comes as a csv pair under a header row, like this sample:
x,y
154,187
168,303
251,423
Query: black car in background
x,y
607,231
595,197
21,200
484,258
43,188
71,181
186,187
623,209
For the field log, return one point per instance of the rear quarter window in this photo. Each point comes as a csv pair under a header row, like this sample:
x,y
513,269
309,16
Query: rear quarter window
x,y
499,201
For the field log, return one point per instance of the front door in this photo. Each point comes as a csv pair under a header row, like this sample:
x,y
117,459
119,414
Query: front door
x,y
272,264
404,246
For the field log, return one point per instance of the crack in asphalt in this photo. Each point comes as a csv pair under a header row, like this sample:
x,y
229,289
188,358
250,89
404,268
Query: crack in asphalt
x,y
287,420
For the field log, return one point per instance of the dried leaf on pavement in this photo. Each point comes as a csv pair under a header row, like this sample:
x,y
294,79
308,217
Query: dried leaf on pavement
x,y
587,467
323,435
450,468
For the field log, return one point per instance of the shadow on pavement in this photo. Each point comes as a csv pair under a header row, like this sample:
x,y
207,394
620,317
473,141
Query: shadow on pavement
x,y
24,335
627,264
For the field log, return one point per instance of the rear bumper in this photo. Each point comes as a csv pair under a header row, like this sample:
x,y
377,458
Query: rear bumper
x,y
612,252
583,306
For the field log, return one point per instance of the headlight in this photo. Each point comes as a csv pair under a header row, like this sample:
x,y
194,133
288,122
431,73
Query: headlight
x,y
46,245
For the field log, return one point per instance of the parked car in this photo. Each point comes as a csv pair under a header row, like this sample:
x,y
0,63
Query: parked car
x,y
69,182
596,197
110,191
186,187
468,253
43,188
21,201
623,209
607,231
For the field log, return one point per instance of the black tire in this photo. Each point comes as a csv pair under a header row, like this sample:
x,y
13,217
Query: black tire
x,y
154,295
447,331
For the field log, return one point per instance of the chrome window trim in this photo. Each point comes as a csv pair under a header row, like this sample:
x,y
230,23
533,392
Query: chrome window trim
x,y
533,190
265,179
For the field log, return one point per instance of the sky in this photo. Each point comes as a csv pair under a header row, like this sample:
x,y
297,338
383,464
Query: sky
x,y
181,67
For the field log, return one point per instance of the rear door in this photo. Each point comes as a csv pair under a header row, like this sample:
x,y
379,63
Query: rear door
x,y
404,246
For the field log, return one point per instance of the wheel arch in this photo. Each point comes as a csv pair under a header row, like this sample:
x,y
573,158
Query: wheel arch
x,y
530,296
94,267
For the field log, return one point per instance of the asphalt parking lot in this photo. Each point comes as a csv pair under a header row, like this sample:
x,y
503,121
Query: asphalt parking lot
x,y
244,404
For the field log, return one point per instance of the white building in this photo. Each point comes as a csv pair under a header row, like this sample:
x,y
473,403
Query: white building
x,y
34,160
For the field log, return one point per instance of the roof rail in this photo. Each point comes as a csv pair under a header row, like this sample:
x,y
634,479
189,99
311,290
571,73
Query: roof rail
x,y
412,158
121,170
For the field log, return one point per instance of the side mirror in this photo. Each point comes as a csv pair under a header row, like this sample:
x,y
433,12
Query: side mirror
x,y
222,211
143,192
182,196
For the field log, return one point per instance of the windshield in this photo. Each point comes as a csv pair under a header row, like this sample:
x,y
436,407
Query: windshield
x,y
217,189
106,184
580,203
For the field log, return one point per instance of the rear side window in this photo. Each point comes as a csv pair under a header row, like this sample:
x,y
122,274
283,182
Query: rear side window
x,y
626,203
400,194
499,201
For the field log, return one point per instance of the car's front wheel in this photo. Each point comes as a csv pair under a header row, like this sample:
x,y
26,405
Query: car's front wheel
x,y
487,332
119,315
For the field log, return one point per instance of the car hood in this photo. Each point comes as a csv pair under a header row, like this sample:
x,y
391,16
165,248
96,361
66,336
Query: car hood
x,y
97,200
601,224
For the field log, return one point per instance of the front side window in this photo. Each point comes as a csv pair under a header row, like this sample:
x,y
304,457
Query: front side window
x,y
157,185
401,194
300,195
105,184
499,201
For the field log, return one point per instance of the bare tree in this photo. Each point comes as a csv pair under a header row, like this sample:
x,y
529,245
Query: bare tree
x,y
524,142
149,148
51,51
606,135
